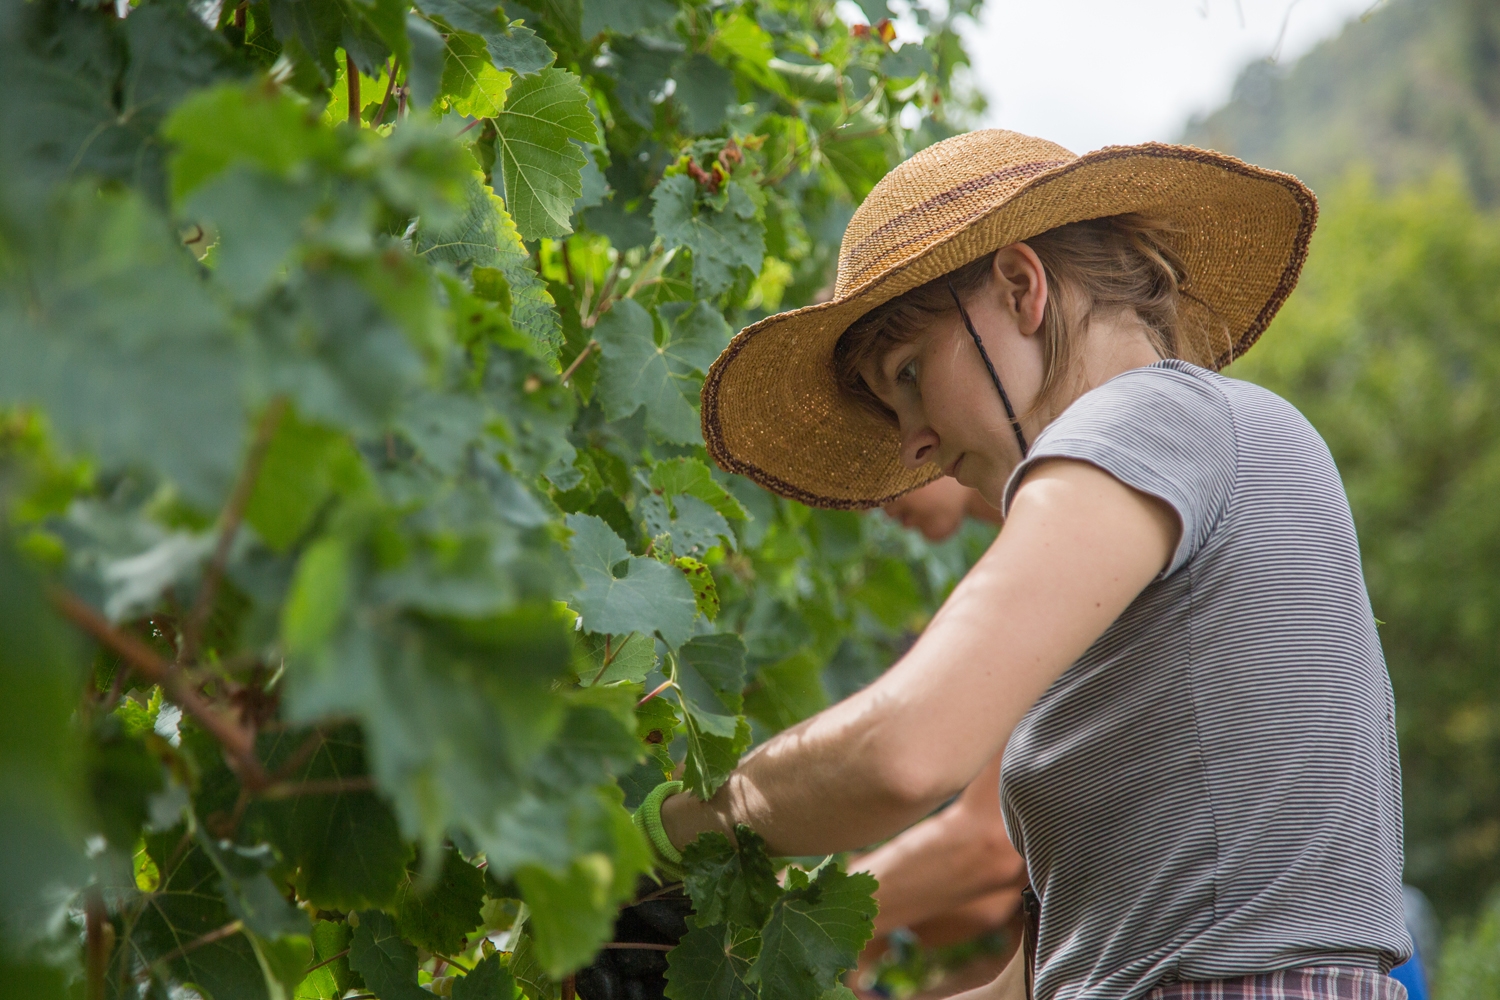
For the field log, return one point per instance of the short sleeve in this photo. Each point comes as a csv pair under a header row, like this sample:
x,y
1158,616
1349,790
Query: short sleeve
x,y
1166,430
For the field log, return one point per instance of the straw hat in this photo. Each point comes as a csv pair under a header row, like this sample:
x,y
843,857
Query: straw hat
x,y
771,408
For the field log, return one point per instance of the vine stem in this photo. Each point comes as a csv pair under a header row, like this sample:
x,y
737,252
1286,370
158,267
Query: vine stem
x,y
609,657
603,301
390,86
573,367
330,786
228,930
665,890
96,946
658,690
237,739
639,945
300,756
569,990
229,527
351,73
327,961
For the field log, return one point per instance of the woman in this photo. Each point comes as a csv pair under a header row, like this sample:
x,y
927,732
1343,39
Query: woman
x,y
1170,639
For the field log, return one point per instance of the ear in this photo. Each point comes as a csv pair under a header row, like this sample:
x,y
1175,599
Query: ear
x,y
1018,273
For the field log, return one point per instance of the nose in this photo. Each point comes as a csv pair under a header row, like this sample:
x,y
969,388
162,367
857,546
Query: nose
x,y
918,445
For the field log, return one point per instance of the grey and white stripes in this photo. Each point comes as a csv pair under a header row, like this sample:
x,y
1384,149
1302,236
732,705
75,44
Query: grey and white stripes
x,y
1213,790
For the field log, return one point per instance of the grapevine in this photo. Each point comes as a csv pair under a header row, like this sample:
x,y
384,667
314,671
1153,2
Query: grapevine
x,y
361,564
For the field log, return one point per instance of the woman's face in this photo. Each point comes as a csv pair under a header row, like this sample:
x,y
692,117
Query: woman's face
x,y
947,408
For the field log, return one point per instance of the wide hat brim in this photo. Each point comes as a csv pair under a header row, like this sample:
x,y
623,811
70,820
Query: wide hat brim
x,y
772,409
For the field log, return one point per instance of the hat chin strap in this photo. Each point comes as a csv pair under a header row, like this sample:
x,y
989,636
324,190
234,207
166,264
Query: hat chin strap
x,y
1010,411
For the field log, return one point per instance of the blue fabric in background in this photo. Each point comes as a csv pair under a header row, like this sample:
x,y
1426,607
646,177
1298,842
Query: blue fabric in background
x,y
1413,976
1421,924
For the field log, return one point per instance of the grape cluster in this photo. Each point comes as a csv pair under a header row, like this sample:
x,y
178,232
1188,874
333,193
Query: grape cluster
x,y
626,973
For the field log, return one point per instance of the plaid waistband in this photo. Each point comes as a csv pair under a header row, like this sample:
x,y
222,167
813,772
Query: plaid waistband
x,y
1320,982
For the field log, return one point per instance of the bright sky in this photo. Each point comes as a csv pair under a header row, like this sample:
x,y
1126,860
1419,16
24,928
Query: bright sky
x,y
1090,73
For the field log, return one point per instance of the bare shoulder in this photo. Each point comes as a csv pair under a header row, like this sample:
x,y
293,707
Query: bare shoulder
x,y
1078,501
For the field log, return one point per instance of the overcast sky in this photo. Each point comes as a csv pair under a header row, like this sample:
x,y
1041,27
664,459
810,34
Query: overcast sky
x,y
1091,73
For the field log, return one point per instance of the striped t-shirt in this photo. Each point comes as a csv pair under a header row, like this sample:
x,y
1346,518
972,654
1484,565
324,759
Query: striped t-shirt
x,y
1213,789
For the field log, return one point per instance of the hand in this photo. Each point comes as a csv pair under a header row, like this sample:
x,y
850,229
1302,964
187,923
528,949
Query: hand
x,y
938,509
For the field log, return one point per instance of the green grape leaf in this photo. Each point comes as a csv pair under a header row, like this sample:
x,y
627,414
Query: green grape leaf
x,y
424,73
573,908
631,657
42,764
640,68
86,95
647,596
304,467
787,692
704,966
636,371
691,477
705,90
739,39
625,17
571,914
710,677
123,775
690,526
318,597
183,909
527,969
710,758
471,84
489,980
346,847
33,978
387,964
259,220
485,237
112,334
701,579
215,128
815,932
656,722
440,918
539,160
722,241
333,978
249,892
512,46
730,883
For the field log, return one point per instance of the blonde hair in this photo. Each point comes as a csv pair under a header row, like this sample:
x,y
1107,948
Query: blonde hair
x,y
1098,266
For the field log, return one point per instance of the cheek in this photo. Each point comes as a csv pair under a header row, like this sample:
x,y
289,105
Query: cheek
x,y
952,404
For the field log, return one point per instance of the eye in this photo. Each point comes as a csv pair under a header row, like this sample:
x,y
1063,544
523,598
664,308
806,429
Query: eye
x,y
908,373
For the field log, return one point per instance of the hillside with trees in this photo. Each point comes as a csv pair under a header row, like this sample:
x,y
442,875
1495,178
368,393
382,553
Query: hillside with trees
x,y
1411,89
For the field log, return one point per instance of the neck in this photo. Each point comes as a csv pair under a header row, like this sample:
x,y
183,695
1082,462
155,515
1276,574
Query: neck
x,y
1111,345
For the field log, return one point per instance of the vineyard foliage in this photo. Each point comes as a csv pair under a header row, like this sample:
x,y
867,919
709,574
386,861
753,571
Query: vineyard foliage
x,y
361,565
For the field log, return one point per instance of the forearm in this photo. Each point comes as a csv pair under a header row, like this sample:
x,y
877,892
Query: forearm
x,y
1078,549
933,869
946,861
822,786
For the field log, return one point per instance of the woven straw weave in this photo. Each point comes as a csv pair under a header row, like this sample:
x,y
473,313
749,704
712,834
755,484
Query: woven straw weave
x,y
771,408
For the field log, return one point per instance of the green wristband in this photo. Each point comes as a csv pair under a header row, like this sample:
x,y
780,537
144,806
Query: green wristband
x,y
648,820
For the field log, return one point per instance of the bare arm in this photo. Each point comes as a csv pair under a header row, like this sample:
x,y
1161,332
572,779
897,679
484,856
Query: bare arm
x,y
1078,548
947,860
